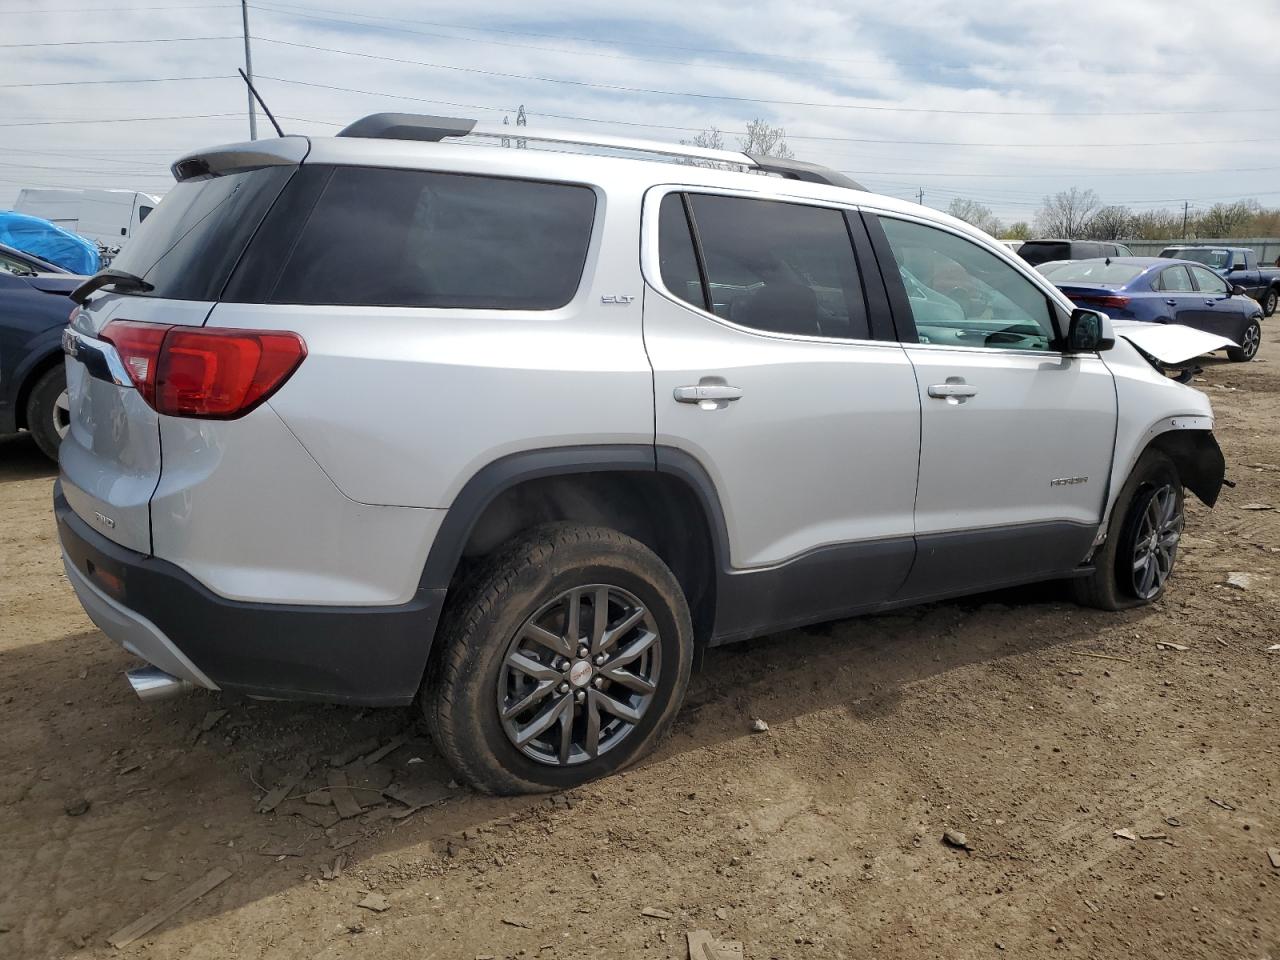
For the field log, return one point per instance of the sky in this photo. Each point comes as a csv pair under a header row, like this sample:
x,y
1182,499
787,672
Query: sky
x,y
1148,102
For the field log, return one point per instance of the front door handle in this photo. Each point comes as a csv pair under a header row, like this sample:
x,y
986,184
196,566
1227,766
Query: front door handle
x,y
707,391
1210,303
1171,302
952,392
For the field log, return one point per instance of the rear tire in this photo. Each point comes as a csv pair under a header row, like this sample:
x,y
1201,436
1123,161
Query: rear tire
x,y
48,416
508,662
1250,340
1270,302
1146,524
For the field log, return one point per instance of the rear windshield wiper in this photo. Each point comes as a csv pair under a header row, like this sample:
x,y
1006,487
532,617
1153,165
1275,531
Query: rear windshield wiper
x,y
110,278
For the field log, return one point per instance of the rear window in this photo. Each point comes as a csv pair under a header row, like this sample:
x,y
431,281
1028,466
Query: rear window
x,y
379,237
1042,251
191,241
1094,271
1217,259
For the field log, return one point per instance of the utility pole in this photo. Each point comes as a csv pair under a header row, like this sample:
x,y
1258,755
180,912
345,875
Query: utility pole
x,y
248,69
1185,205
920,196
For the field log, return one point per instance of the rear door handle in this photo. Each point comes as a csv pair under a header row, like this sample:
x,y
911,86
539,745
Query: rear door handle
x,y
707,391
955,392
1171,302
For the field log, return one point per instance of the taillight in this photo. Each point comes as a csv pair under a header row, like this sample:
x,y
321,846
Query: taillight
x,y
1109,300
139,347
217,374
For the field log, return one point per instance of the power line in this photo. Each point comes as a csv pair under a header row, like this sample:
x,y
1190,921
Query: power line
x,y
789,135
44,10
54,123
931,64
622,88
85,83
90,43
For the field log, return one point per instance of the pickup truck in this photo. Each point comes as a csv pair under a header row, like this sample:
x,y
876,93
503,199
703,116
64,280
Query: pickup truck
x,y
1238,266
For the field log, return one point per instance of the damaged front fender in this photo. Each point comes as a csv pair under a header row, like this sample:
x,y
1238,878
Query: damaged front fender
x,y
1199,460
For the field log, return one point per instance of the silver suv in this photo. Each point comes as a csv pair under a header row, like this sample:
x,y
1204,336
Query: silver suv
x,y
403,416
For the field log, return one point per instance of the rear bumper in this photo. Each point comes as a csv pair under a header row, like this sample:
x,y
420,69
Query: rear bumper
x,y
359,655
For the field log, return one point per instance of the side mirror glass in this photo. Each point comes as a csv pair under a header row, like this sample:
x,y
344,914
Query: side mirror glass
x,y
1089,332
1237,266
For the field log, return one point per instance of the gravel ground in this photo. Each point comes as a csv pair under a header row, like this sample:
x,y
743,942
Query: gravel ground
x,y
1035,728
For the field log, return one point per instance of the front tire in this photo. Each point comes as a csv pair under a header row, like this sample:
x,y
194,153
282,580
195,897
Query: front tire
x,y
1133,567
1250,340
48,413
564,659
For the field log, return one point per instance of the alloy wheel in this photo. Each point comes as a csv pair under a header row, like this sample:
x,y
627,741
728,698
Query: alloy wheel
x,y
579,675
1251,340
1156,542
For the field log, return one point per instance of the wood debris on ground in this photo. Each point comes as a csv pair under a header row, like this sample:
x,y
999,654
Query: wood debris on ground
x,y
517,922
344,801
388,748
375,902
356,750
1124,834
703,946
1170,645
278,793
1274,856
656,913
211,720
183,898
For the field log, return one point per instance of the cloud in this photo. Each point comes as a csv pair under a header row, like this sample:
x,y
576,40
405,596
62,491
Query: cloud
x,y
1013,101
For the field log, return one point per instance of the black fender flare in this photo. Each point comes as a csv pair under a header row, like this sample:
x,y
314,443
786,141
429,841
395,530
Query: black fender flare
x,y
487,483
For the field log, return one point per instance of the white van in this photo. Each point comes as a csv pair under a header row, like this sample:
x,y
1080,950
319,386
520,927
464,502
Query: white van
x,y
107,216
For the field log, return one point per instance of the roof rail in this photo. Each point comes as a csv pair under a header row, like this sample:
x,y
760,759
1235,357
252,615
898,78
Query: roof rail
x,y
409,126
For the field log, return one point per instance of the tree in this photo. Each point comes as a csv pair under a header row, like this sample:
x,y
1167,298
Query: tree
x,y
709,139
765,140
1067,213
1228,219
975,213
1156,225
1109,223
1021,230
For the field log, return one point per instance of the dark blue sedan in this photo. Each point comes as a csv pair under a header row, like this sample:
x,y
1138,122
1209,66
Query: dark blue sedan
x,y
1163,291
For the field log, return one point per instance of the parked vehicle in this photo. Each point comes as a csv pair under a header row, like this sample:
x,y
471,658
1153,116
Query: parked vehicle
x,y
1239,266
48,242
409,389
33,314
108,217
22,263
1162,291
1039,251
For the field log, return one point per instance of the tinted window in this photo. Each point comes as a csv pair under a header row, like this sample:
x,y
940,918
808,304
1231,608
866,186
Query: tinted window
x,y
1215,258
408,238
675,252
1042,251
1094,271
963,295
190,242
144,212
1208,281
780,267
1174,279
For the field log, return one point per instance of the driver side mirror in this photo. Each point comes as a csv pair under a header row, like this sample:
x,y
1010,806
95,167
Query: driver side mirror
x,y
1089,332
1235,267
1238,291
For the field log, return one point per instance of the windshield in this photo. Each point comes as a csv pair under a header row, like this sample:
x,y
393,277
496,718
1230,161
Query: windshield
x,y
1094,271
1217,259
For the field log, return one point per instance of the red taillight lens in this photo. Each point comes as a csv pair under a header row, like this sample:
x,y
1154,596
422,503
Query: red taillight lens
x,y
218,374
1110,300
139,347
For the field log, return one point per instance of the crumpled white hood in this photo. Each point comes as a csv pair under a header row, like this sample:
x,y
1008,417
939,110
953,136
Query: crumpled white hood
x,y
1170,343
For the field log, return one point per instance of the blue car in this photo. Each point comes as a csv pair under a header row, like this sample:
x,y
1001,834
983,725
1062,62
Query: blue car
x,y
1158,290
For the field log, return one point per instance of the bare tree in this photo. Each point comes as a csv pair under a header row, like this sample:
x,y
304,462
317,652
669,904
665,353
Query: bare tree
x,y
978,214
1021,230
1156,225
1229,219
765,140
1109,223
709,139
1067,213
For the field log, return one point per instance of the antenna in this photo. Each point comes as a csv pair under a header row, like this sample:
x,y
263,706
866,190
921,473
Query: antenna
x,y
257,96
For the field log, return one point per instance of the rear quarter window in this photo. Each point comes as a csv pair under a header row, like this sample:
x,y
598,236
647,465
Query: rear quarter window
x,y
380,237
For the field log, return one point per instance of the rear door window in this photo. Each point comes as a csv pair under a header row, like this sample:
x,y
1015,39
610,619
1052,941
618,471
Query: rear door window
x,y
411,238
780,267
1174,280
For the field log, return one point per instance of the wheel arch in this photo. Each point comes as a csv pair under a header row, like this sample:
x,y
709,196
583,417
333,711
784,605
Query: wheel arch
x,y
29,375
662,497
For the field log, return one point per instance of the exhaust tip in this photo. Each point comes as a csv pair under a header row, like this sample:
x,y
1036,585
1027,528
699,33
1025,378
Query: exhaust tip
x,y
152,683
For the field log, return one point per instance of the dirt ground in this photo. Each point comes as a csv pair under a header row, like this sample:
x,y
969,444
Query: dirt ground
x,y
1036,728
